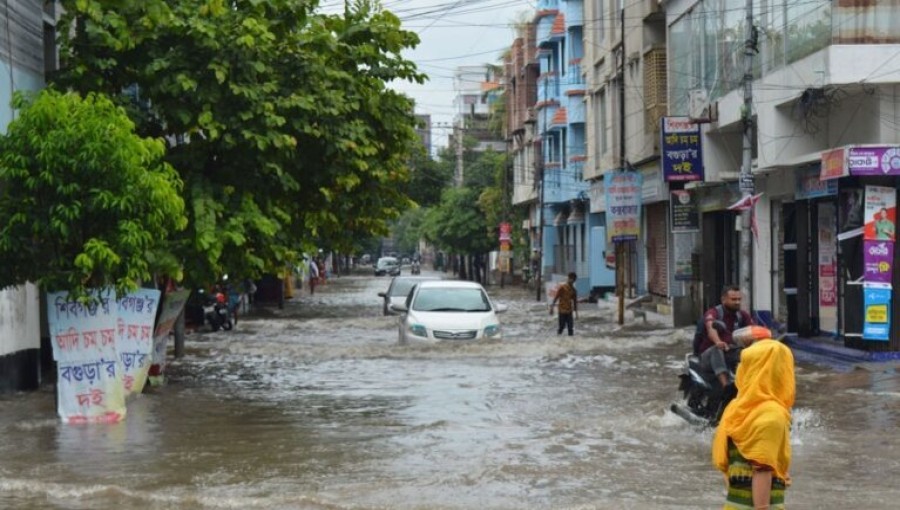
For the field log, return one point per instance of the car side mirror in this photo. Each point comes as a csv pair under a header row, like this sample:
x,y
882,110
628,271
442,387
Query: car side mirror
x,y
381,294
500,308
399,307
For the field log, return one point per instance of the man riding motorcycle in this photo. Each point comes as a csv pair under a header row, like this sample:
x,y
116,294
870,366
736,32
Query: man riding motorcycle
x,y
719,354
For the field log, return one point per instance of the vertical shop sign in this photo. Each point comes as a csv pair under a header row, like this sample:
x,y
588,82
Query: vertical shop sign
x,y
880,213
877,303
878,261
684,211
623,205
827,267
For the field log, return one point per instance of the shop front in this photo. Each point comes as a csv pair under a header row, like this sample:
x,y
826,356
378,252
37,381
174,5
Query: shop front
x,y
863,218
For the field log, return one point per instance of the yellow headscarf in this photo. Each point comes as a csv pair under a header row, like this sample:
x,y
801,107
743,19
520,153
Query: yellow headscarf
x,y
758,420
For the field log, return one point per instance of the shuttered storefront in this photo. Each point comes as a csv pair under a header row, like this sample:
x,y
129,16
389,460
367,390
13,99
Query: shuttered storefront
x,y
657,249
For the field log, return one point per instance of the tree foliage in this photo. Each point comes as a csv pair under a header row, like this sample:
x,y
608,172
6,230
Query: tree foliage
x,y
85,202
280,122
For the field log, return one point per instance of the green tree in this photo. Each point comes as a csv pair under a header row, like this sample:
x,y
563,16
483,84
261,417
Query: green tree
x,y
282,126
85,202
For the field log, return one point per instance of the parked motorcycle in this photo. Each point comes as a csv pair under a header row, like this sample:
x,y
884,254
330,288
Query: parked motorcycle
x,y
703,399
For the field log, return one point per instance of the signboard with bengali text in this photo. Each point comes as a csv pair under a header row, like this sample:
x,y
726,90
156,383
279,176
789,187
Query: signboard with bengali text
x,y
680,147
623,205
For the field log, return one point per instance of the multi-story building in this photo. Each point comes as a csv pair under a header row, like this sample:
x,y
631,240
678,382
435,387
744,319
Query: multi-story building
x,y
476,88
560,116
520,76
825,146
624,63
423,129
27,54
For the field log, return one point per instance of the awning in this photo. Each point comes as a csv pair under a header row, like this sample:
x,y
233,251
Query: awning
x,y
575,218
560,218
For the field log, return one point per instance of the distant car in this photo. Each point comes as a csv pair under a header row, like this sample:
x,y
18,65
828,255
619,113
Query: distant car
x,y
448,310
387,265
399,289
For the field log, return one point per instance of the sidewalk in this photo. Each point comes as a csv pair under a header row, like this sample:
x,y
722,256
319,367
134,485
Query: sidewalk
x,y
831,351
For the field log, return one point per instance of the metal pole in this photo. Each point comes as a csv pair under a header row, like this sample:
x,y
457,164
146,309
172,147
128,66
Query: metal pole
x,y
746,179
620,251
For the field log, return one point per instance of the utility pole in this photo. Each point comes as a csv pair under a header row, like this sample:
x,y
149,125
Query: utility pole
x,y
459,155
621,253
539,270
746,179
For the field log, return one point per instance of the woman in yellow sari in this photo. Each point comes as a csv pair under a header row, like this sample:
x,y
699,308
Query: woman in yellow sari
x,y
752,442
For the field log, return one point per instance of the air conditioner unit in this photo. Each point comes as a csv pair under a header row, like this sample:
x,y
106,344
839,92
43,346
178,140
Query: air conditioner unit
x,y
698,105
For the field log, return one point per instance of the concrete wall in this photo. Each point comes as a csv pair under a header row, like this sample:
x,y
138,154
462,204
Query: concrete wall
x,y
20,338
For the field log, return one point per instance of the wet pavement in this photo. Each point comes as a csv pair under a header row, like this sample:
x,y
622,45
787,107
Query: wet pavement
x,y
316,406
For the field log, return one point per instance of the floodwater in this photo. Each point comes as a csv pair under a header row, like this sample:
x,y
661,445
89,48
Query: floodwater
x,y
316,406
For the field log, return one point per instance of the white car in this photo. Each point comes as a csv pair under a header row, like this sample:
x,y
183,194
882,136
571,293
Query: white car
x,y
448,310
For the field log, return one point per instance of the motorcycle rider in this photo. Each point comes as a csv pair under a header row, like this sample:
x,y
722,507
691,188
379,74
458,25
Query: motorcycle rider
x,y
718,351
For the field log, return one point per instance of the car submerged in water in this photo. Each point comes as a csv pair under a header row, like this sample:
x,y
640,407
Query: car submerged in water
x,y
399,289
387,265
448,310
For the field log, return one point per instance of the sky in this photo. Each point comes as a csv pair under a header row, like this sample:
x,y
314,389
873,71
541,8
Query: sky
x,y
453,33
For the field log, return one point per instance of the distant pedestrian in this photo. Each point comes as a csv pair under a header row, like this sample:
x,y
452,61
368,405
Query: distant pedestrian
x,y
568,305
313,276
752,445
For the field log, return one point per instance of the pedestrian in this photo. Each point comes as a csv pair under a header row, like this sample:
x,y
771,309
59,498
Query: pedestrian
x,y
568,305
752,445
313,276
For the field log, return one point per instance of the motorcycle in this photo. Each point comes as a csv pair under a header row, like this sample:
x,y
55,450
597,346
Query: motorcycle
x,y
416,267
703,398
216,312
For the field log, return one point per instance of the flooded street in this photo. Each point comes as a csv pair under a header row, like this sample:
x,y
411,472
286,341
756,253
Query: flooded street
x,y
316,406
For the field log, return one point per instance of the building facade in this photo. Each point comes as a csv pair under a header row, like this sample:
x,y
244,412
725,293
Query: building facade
x,y
825,147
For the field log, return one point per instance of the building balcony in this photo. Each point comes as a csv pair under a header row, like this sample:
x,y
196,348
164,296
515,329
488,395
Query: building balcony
x,y
546,113
548,88
563,183
575,108
543,21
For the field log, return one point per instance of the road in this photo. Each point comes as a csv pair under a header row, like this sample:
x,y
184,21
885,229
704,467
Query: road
x,y
316,406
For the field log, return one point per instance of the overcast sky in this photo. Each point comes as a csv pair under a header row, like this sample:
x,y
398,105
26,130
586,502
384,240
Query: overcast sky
x,y
453,33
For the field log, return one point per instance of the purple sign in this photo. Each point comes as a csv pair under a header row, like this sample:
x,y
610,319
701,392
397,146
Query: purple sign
x,y
878,259
682,158
874,161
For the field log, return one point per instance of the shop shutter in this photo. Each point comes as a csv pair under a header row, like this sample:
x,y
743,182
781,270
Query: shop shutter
x,y
657,249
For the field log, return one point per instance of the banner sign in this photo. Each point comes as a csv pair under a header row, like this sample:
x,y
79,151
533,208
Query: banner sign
x,y
878,261
834,164
89,376
505,234
877,303
827,236
682,155
684,211
172,305
623,205
134,336
880,213
809,184
874,160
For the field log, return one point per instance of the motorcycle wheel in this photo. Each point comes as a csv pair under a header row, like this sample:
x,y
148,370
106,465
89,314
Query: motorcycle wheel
x,y
227,325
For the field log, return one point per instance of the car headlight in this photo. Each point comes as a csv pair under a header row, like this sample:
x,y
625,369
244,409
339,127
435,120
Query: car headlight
x,y
418,330
492,330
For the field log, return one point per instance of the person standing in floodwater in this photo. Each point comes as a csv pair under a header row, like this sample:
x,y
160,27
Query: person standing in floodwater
x,y
568,305
752,444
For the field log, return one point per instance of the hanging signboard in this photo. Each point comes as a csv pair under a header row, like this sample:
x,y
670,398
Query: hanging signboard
x,y
874,161
89,377
880,213
134,336
834,164
682,155
623,205
684,211
172,305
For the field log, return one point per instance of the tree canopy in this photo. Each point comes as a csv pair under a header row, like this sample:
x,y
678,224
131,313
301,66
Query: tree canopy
x,y
85,202
278,117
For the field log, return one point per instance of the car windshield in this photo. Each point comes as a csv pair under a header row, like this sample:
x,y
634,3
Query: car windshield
x,y
382,263
401,286
445,299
